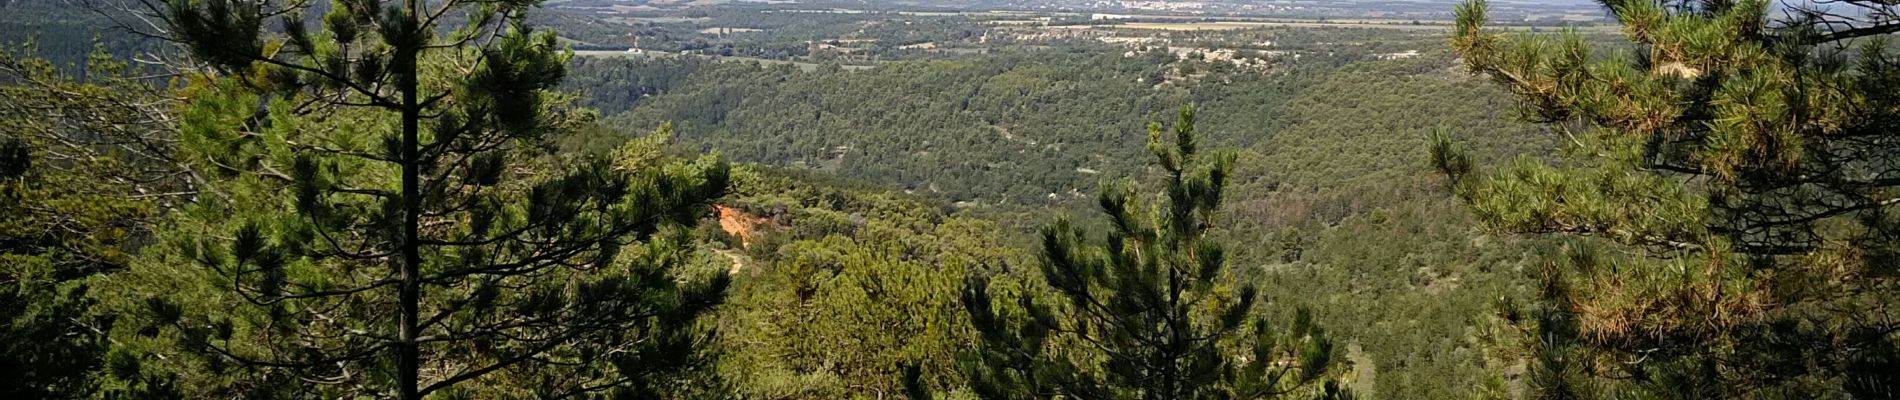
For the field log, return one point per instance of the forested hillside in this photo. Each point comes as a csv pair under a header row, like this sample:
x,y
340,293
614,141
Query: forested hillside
x,y
995,130
881,190
1019,128
1332,197
777,200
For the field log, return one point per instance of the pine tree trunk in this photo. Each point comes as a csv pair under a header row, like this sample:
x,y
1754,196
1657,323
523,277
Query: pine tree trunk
x,y
408,353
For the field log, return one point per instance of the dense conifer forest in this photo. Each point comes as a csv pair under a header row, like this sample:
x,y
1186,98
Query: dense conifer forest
x,y
762,200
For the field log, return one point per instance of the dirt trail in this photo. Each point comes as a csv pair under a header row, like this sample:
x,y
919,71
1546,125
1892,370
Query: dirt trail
x,y
738,261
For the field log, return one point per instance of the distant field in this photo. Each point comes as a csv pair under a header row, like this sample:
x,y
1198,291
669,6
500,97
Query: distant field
x,y
1202,26
1232,25
717,30
1261,23
621,53
1190,26
657,20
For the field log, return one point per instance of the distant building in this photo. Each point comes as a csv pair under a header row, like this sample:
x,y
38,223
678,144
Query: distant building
x,y
1399,55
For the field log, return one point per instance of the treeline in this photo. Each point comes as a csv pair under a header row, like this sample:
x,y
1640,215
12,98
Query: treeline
x,y
764,32
1005,129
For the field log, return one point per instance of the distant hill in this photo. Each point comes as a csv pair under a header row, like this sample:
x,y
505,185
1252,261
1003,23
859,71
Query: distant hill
x,y
64,32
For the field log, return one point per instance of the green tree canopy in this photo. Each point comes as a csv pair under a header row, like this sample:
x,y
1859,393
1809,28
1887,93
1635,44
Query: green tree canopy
x,y
1151,312
84,169
382,218
1742,163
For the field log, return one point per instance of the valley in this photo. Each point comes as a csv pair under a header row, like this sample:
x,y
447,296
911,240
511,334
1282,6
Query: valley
x,y
1326,122
947,199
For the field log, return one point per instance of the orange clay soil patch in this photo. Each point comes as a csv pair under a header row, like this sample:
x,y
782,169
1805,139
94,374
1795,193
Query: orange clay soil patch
x,y
740,225
737,223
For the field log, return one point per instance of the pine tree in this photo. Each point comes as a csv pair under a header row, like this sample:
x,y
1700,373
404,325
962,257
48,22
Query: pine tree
x,y
1150,312
1730,199
383,219
84,170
